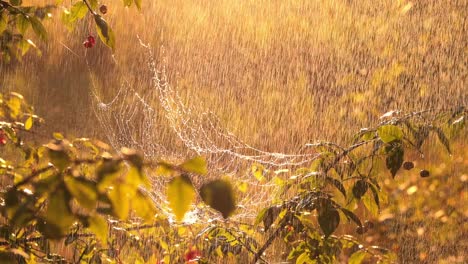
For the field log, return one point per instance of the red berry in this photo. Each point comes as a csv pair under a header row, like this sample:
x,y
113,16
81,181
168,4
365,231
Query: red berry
x,y
3,138
91,40
192,255
103,9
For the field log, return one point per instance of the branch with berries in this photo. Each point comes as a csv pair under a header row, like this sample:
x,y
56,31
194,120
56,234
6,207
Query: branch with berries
x,y
16,18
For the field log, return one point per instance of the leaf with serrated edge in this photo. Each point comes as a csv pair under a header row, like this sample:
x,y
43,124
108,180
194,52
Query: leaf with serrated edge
x,y
389,133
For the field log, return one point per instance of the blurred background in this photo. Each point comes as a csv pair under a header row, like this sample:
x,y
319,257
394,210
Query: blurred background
x,y
279,74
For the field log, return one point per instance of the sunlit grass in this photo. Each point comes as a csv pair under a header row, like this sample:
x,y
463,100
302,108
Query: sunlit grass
x,y
279,74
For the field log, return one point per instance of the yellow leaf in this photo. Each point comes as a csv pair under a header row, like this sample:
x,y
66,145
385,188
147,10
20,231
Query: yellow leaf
x,y
83,190
104,31
58,210
180,194
196,165
29,123
143,206
98,226
120,196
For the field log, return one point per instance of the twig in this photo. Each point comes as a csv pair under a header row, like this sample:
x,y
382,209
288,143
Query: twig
x,y
89,7
270,240
32,176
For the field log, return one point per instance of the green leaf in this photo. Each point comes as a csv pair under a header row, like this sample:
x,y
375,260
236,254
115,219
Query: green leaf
x,y
93,4
120,196
196,165
421,135
83,190
21,216
24,46
337,184
389,133
144,206
127,2
329,220
78,11
107,173
165,169
370,204
257,171
180,194
135,177
260,216
47,183
394,158
352,216
22,23
138,4
14,105
98,226
104,31
59,158
58,212
357,257
443,139
3,21
360,188
219,195
38,28
16,2
304,258
29,123
368,135
375,193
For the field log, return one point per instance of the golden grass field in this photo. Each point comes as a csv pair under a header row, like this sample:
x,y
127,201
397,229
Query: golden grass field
x,y
278,73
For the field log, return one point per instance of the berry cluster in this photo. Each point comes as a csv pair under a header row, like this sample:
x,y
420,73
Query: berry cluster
x,y
89,42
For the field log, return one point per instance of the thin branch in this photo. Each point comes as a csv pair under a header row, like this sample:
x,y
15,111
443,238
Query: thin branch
x,y
89,7
269,241
32,176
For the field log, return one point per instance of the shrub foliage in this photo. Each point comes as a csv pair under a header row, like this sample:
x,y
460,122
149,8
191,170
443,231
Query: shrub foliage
x,y
98,204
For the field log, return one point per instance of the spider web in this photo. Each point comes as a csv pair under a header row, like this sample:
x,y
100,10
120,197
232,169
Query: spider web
x,y
130,119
